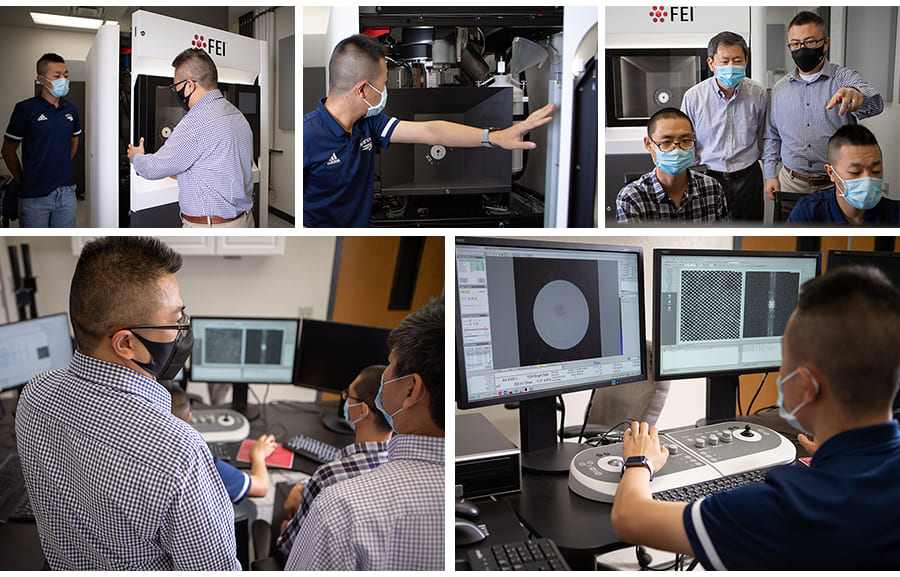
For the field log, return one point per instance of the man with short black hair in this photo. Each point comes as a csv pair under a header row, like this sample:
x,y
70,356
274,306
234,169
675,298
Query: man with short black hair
x,y
728,111
807,106
368,451
116,481
840,372
340,136
48,128
392,519
856,171
210,150
671,191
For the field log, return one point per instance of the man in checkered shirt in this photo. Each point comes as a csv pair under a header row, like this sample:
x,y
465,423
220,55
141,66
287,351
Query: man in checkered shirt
x,y
392,518
368,452
210,150
671,191
116,481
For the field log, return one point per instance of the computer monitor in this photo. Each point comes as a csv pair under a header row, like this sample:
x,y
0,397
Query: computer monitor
x,y
887,262
721,313
243,350
536,319
33,346
331,354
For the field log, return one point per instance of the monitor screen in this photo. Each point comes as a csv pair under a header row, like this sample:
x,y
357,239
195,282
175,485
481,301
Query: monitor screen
x,y
33,346
724,312
887,262
243,350
536,319
331,354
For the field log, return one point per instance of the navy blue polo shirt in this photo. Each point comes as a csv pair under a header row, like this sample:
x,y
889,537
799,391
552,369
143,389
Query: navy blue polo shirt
x,y
822,207
237,483
839,513
46,133
339,168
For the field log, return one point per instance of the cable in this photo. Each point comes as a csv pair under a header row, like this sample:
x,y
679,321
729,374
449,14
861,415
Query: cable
x,y
562,404
758,389
587,413
602,437
737,388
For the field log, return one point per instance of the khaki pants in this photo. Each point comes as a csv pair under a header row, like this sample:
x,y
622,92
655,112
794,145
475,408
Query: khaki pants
x,y
243,221
790,184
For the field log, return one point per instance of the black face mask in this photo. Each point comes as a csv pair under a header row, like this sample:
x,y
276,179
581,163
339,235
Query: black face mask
x,y
808,58
166,359
184,100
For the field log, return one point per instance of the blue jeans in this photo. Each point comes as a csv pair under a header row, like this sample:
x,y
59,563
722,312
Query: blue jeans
x,y
56,210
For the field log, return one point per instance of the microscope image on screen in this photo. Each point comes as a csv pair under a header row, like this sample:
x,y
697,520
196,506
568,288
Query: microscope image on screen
x,y
226,346
223,346
263,347
557,310
769,301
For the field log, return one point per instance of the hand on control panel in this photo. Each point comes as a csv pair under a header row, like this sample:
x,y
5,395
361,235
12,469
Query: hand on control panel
x,y
642,439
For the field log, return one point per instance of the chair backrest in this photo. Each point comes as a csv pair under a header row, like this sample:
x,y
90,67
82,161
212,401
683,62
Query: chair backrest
x,y
242,539
632,176
784,204
643,400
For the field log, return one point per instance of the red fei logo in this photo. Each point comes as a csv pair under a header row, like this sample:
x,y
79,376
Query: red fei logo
x,y
658,13
198,42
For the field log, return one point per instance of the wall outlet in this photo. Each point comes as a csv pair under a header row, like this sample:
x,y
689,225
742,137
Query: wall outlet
x,y
305,312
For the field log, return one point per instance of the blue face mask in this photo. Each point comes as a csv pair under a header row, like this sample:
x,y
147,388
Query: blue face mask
x,y
347,414
674,161
60,86
376,110
862,193
791,417
730,75
379,400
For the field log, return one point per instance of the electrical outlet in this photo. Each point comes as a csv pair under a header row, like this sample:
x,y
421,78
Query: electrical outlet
x,y
305,312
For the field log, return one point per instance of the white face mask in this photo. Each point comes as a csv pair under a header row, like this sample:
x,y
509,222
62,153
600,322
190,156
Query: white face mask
x,y
791,417
376,110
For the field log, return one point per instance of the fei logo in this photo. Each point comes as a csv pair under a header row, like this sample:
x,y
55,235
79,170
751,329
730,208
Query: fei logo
x,y
212,46
672,14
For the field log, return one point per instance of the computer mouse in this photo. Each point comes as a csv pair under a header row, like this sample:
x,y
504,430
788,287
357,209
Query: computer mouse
x,y
466,509
468,533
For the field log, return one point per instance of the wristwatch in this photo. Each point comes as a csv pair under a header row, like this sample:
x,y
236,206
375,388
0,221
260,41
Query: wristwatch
x,y
639,461
484,137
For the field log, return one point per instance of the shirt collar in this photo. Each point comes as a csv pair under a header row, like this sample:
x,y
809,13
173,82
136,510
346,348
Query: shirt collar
x,y
331,124
662,195
828,70
416,448
119,378
206,100
721,93
367,447
864,439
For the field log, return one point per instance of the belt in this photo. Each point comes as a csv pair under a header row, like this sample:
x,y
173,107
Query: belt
x,y
209,219
731,175
807,178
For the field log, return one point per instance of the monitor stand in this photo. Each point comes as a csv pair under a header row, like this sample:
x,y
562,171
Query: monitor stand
x,y
239,401
541,451
338,425
721,398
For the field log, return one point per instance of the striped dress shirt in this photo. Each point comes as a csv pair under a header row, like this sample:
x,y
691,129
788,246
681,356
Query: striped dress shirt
x,y
390,519
211,152
116,481
798,126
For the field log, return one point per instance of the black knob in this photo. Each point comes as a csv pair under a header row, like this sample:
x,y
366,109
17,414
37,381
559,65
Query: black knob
x,y
746,432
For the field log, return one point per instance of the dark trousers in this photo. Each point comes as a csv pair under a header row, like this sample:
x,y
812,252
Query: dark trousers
x,y
744,194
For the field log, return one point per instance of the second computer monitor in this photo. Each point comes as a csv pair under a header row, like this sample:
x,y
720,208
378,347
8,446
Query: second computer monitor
x,y
243,350
331,354
724,312
33,346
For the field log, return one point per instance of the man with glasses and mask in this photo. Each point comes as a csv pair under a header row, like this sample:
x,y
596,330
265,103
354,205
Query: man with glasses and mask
x,y
857,174
368,451
728,112
671,191
392,518
340,136
807,106
48,128
116,481
210,151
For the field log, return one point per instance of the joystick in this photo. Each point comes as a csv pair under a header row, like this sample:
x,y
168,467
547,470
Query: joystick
x,y
746,432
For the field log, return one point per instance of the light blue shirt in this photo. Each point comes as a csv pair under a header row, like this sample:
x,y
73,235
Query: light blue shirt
x,y
729,131
116,481
798,126
211,151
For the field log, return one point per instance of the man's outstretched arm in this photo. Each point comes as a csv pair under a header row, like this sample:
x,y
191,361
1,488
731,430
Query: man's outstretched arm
x,y
462,136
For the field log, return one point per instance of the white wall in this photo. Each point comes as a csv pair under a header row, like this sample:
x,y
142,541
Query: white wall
x,y
282,190
686,401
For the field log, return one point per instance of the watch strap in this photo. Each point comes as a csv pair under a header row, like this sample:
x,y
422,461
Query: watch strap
x,y
485,142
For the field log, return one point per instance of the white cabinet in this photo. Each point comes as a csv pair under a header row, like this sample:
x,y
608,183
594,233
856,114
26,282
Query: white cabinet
x,y
211,245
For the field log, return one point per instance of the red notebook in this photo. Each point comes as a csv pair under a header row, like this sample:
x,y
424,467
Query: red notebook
x,y
280,457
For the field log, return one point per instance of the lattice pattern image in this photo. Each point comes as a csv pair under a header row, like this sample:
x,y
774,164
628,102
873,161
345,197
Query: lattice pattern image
x,y
710,305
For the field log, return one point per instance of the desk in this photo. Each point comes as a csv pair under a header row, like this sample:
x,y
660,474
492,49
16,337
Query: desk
x,y
502,524
20,546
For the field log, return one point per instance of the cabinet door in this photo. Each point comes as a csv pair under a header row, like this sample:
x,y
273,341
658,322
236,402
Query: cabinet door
x,y
185,245
250,245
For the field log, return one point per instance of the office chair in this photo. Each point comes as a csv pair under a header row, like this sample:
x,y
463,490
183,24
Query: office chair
x,y
242,539
784,204
642,400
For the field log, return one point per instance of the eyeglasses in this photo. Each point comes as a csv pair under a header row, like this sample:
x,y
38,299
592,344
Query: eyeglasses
x,y
345,394
183,325
667,145
808,43
175,90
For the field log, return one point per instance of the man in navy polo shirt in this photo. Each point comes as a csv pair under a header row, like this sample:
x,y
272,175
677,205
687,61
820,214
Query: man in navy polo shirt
x,y
839,375
857,173
340,136
49,127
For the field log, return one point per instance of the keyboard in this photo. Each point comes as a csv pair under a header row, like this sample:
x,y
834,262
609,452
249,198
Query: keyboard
x,y
14,503
704,488
312,449
223,451
537,555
